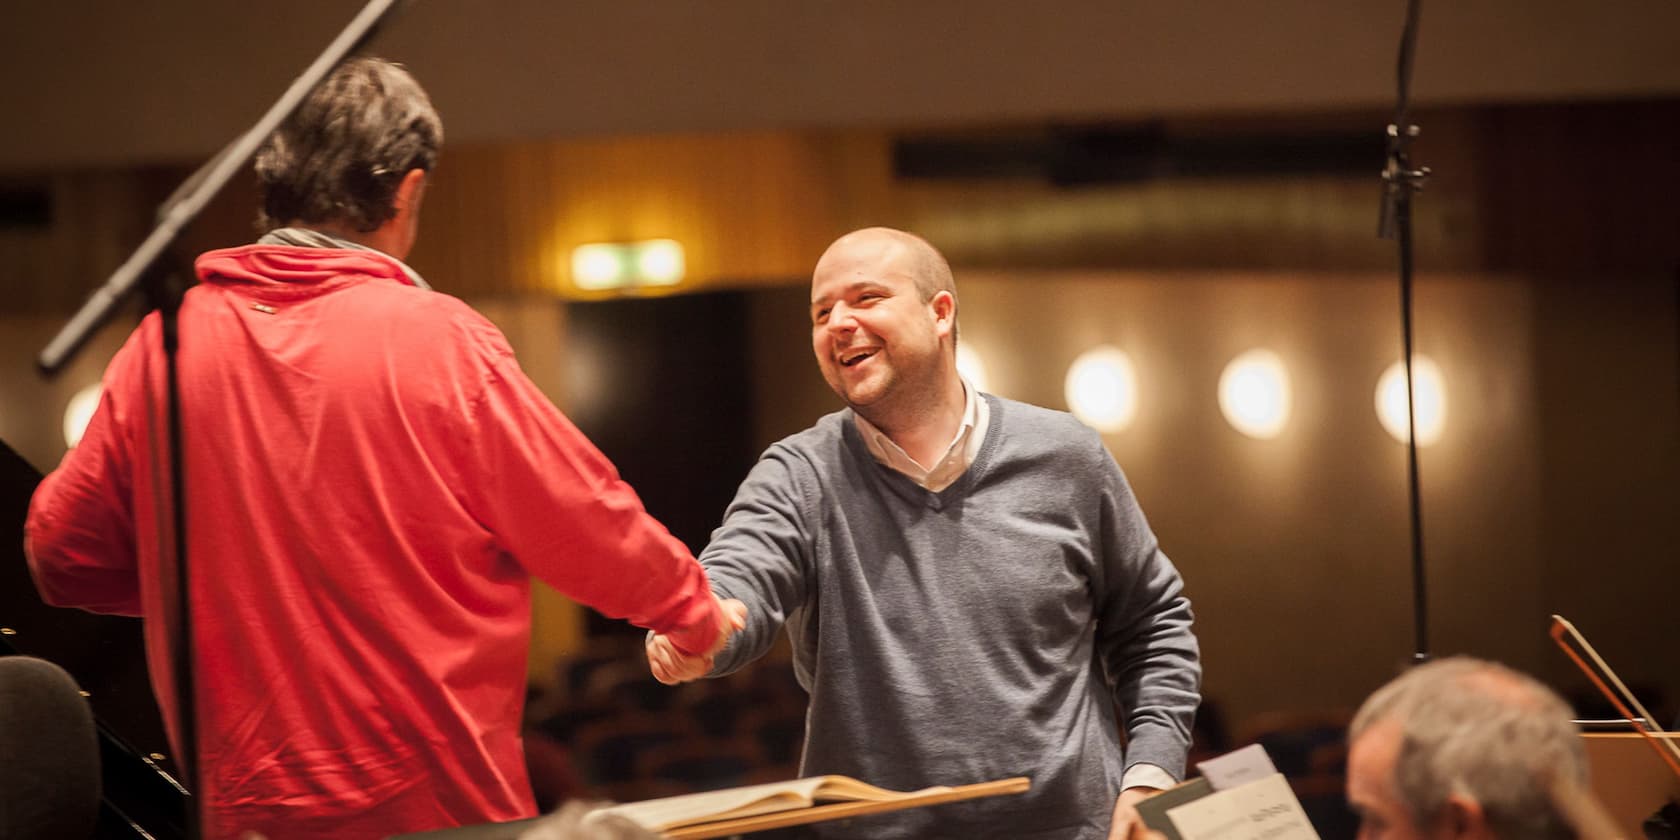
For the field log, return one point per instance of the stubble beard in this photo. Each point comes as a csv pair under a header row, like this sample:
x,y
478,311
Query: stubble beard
x,y
901,400
866,396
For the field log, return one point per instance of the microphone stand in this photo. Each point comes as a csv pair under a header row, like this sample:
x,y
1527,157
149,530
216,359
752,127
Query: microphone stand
x,y
142,266
1401,181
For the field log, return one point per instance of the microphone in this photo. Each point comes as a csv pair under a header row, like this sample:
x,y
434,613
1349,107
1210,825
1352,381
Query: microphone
x,y
49,779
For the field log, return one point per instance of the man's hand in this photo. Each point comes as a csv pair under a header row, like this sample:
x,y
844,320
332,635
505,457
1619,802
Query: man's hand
x,y
1126,825
671,666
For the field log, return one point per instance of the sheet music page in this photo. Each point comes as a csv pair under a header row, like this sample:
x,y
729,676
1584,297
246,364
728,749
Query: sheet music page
x,y
1262,810
1234,769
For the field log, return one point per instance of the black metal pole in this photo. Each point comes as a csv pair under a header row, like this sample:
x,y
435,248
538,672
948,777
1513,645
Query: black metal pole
x,y
197,191
1401,181
1420,587
168,289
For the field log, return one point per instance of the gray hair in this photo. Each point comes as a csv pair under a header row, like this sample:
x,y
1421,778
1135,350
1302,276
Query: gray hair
x,y
933,275
1482,730
340,156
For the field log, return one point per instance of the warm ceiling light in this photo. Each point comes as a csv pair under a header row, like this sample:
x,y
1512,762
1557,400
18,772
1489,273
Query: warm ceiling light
x,y
972,368
79,412
1429,406
599,265
1101,389
1254,394
617,265
659,262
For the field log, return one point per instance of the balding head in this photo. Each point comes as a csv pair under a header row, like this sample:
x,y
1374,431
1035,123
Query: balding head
x,y
909,253
883,328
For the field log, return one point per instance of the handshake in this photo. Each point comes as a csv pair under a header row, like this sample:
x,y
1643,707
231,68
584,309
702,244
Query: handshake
x,y
670,665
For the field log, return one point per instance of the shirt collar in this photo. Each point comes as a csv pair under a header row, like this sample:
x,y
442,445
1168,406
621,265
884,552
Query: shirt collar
x,y
958,455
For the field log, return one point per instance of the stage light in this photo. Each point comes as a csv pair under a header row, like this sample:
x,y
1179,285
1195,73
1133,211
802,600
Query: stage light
x,y
79,412
1254,394
1429,406
600,266
659,262
1101,389
972,368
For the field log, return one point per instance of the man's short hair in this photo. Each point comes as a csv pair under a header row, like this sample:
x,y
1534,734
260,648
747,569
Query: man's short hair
x,y
932,272
933,275
1482,730
340,156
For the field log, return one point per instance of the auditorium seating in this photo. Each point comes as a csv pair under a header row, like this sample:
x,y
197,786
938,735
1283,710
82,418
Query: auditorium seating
x,y
1310,750
631,738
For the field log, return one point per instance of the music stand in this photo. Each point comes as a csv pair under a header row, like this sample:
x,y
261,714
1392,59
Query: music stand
x,y
1630,782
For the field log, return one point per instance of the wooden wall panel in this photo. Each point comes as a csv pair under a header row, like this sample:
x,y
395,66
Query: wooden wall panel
x,y
748,209
753,209
1285,221
94,222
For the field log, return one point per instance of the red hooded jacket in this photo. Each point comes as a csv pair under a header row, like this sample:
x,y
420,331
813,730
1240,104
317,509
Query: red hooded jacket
x,y
371,483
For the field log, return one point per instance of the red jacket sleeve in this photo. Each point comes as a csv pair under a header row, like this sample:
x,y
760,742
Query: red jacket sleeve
x,y
79,537
558,506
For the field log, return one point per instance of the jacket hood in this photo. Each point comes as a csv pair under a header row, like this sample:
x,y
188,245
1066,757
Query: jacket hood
x,y
281,266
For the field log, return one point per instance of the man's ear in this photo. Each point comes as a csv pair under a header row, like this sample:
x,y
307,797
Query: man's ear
x,y
944,308
396,235
410,190
1462,816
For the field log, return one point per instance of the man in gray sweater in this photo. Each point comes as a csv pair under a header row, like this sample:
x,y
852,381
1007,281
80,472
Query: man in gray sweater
x,y
969,586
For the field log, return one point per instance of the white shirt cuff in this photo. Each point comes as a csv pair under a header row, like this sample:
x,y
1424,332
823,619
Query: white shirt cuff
x,y
1146,775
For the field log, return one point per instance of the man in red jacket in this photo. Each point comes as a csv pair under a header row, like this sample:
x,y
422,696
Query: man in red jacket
x,y
371,483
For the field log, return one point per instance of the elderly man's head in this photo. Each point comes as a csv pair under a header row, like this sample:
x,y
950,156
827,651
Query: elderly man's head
x,y
1461,748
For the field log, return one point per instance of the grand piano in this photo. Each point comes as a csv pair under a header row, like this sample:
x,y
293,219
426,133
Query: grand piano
x,y
141,797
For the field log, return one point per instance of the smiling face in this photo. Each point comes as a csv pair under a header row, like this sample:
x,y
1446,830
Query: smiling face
x,y
879,344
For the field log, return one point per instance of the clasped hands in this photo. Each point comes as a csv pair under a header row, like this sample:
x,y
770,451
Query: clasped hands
x,y
671,666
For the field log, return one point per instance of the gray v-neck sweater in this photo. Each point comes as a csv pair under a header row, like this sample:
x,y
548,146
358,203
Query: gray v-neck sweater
x,y
969,634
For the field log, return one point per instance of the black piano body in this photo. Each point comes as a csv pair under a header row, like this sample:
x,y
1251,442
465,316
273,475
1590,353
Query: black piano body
x,y
140,796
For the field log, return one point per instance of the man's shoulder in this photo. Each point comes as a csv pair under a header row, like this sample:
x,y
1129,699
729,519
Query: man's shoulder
x,y
818,449
820,439
442,322
449,308
1027,424
1023,433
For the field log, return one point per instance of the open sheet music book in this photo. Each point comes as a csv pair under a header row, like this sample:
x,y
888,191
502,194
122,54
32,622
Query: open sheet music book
x,y
754,800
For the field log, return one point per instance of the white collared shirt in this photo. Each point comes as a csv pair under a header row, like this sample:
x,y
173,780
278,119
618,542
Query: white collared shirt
x,y
958,455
